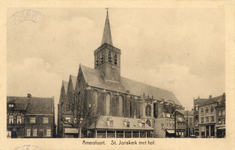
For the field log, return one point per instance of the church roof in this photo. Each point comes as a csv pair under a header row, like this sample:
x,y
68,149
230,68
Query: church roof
x,y
94,78
65,84
107,38
35,105
74,80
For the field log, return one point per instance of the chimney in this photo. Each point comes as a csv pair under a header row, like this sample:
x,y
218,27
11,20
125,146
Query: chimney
x,y
210,96
28,95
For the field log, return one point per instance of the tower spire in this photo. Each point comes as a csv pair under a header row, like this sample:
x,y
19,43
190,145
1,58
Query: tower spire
x,y
107,38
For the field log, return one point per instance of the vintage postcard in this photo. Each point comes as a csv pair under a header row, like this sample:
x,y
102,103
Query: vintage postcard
x,y
117,75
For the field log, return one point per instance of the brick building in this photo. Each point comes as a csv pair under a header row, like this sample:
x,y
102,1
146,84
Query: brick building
x,y
124,107
189,117
220,126
30,117
208,116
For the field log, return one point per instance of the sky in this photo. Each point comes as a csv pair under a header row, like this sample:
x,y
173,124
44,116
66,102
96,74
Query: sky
x,y
177,49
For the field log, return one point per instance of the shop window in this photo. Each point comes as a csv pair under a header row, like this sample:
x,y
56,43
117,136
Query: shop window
x,y
28,132
35,132
45,120
48,133
11,119
18,119
32,120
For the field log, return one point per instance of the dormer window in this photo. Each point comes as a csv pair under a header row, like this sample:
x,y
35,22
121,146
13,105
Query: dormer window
x,y
110,57
143,125
128,124
11,105
110,122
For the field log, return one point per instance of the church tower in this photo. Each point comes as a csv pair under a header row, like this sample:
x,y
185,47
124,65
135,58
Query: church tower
x,y
107,57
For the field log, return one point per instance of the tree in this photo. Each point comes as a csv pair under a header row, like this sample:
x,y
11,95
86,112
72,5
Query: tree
x,y
84,114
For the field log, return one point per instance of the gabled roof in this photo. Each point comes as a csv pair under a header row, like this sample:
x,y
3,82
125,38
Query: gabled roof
x,y
39,105
35,105
94,78
118,123
74,80
20,102
164,115
65,84
212,100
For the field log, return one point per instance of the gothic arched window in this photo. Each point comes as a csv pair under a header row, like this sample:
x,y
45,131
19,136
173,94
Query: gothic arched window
x,y
148,110
95,98
108,104
110,57
121,104
115,59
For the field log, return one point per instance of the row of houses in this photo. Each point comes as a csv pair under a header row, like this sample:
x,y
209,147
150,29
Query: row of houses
x,y
30,117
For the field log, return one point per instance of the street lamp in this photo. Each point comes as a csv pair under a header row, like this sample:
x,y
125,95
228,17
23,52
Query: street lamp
x,y
175,114
80,132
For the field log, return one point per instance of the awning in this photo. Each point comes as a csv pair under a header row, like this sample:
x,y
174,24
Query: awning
x,y
221,128
71,130
170,131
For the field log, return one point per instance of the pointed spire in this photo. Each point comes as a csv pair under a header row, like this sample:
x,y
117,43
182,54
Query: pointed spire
x,y
107,38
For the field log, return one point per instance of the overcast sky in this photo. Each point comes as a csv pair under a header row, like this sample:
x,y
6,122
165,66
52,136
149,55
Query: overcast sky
x,y
181,50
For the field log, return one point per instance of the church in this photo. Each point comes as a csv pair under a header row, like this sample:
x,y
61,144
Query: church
x,y
100,103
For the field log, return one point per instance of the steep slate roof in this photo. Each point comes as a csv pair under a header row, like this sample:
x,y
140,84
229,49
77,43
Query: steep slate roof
x,y
20,102
118,123
94,78
65,84
74,80
40,106
107,38
33,106
212,100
